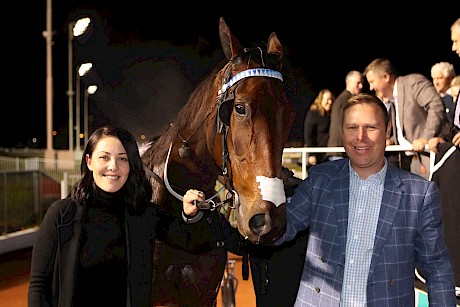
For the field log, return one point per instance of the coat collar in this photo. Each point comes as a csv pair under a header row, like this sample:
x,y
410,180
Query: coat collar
x,y
390,203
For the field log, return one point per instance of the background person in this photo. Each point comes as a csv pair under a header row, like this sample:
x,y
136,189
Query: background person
x,y
455,89
447,176
370,223
419,110
353,86
455,36
442,74
316,124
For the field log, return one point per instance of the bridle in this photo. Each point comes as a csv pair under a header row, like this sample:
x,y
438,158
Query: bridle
x,y
224,106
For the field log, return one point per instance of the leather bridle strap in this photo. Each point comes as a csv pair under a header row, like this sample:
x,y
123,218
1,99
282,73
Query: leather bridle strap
x,y
151,174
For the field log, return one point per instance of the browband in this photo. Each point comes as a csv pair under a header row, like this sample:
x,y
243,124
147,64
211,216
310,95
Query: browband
x,y
255,72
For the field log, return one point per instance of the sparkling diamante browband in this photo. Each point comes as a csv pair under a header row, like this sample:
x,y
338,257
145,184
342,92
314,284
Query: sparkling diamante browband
x,y
255,72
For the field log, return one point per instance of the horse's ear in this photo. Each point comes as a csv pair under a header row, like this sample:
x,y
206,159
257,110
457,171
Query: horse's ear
x,y
274,45
230,45
275,52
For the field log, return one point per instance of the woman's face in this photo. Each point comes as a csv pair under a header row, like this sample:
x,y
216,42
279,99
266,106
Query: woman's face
x,y
109,164
326,101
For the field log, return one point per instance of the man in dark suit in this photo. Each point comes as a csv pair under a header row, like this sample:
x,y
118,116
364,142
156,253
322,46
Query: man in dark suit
x,y
420,113
442,74
353,86
446,172
370,223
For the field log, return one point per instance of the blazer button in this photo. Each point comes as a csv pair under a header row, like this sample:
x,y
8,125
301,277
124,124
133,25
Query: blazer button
x,y
392,282
322,259
317,290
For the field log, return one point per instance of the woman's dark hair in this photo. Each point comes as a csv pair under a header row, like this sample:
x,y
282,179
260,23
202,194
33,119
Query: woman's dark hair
x,y
137,189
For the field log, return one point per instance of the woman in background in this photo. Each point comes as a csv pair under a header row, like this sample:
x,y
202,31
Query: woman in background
x,y
316,125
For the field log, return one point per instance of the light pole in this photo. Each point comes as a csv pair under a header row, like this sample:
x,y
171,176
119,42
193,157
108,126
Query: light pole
x,y
82,70
48,34
89,91
75,28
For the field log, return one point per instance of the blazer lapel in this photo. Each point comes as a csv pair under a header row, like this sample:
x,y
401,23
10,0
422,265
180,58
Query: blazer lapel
x,y
388,209
341,207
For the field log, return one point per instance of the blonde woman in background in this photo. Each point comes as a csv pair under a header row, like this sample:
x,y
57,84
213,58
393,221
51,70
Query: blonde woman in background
x,y
316,124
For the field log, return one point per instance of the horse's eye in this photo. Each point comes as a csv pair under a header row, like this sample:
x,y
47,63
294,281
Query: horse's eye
x,y
240,109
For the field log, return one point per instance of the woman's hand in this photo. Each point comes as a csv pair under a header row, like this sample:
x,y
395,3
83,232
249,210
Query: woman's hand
x,y
188,202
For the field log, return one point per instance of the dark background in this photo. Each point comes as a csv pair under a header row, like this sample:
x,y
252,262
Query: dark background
x,y
148,57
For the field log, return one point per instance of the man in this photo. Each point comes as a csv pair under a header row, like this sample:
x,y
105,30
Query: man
x,y
446,173
353,86
454,136
442,74
418,108
455,36
370,223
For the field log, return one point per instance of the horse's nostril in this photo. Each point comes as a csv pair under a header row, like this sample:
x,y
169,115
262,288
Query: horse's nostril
x,y
257,223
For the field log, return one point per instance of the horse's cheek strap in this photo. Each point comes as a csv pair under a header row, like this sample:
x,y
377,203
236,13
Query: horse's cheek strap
x,y
272,189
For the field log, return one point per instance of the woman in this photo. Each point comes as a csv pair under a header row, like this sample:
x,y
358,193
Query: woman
x,y
316,125
95,247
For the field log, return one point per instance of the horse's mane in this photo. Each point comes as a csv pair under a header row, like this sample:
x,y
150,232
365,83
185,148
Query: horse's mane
x,y
194,111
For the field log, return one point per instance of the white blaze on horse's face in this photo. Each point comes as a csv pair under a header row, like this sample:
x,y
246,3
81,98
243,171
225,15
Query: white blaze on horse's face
x,y
272,190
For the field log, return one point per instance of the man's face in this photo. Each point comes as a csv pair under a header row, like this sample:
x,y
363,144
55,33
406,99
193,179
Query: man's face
x,y
364,138
379,85
455,36
440,82
356,84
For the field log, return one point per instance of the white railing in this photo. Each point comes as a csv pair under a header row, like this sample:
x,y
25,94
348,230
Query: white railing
x,y
304,151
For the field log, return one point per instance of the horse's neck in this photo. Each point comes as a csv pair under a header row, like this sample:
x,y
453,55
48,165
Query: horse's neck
x,y
199,171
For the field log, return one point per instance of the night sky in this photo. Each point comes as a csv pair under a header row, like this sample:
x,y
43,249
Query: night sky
x,y
148,57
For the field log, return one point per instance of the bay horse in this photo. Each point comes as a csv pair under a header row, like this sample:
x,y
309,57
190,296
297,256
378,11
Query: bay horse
x,y
233,129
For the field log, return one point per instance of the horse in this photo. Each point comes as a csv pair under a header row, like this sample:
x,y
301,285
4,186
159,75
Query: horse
x,y
231,131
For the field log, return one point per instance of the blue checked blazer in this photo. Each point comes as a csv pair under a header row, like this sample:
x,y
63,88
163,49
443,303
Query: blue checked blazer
x,y
409,234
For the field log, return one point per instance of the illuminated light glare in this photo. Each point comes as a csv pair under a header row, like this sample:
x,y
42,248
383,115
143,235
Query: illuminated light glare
x,y
80,26
84,68
92,89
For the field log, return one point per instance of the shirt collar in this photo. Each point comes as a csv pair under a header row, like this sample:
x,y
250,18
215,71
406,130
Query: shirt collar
x,y
395,91
379,177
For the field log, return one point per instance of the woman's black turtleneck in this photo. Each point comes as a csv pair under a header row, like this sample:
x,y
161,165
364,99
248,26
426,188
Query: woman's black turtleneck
x,y
102,265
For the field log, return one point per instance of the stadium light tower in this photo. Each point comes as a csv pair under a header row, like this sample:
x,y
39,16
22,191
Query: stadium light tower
x,y
75,28
89,91
82,70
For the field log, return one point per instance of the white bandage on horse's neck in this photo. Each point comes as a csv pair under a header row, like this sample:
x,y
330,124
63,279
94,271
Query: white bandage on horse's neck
x,y
272,189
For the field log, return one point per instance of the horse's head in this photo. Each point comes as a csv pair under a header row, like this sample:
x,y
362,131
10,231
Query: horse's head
x,y
254,117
